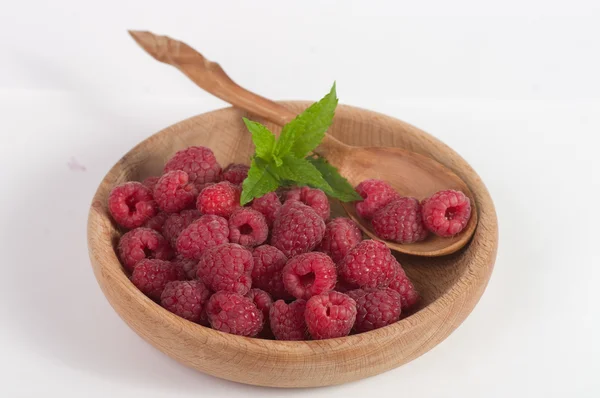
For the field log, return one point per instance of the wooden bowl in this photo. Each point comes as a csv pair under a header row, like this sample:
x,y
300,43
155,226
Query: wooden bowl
x,y
450,286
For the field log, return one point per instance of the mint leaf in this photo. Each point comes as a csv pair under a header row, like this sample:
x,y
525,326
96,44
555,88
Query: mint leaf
x,y
302,172
260,181
263,139
310,126
306,131
285,141
340,187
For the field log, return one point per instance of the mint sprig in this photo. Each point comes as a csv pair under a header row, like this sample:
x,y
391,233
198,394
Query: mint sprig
x,y
283,161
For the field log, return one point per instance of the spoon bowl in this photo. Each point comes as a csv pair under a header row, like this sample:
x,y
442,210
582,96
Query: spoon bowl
x,y
410,173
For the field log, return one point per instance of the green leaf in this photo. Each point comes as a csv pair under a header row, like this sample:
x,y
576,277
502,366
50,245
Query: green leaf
x,y
306,131
340,187
313,123
260,181
302,172
263,139
285,141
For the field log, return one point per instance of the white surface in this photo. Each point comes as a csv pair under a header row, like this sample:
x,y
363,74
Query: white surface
x,y
512,86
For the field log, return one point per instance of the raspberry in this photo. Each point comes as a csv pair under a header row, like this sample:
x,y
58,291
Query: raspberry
x,y
131,204
261,299
287,320
156,223
226,267
313,198
267,272
198,162
369,264
188,265
375,309
268,205
446,213
152,275
220,199
341,235
173,192
309,274
297,229
207,231
376,195
177,223
356,294
343,287
236,173
403,285
263,302
248,227
233,313
400,221
150,182
330,315
185,298
142,243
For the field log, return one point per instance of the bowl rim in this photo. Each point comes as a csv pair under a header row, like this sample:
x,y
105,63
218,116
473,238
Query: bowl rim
x,y
307,347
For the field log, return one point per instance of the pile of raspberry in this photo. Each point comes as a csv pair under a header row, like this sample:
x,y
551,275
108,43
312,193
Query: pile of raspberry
x,y
277,268
403,219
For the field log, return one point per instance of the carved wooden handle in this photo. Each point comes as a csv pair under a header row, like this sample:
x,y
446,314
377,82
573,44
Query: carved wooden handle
x,y
210,76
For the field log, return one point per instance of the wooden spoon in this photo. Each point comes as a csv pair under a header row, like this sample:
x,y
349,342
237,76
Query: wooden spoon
x,y
411,174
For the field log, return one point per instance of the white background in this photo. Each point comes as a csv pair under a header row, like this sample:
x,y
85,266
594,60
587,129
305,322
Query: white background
x,y
513,86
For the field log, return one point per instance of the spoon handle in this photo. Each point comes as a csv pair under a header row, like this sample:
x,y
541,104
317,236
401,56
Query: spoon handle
x,y
210,76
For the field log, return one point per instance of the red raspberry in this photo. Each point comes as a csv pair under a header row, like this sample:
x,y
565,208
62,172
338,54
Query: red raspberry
x,y
207,231
199,162
403,285
287,320
177,223
188,265
226,267
297,229
233,313
220,199
248,227
150,182
267,272
344,287
356,294
141,243
400,221
173,192
375,309
236,173
446,213
152,275
309,274
131,204
369,264
185,298
341,235
330,315
376,195
313,198
156,223
268,205
263,302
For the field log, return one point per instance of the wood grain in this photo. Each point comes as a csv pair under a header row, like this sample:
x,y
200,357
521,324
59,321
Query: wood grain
x,y
450,285
408,172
